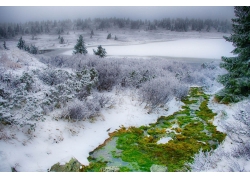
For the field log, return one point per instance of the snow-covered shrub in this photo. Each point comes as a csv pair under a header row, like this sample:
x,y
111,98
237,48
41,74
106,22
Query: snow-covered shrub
x,y
55,61
6,62
156,92
134,73
242,150
204,161
80,110
109,75
136,78
33,49
103,100
18,105
234,166
239,130
52,76
66,86
75,110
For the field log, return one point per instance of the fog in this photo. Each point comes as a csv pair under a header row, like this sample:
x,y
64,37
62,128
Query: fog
x,y
22,14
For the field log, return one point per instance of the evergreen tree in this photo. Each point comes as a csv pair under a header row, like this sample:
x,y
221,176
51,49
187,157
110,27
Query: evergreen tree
x,y
80,46
21,43
33,49
109,36
61,40
237,80
26,48
101,52
4,45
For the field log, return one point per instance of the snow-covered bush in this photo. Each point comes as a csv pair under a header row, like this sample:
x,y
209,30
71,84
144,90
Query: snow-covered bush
x,y
6,62
109,75
156,92
87,108
207,160
239,130
136,74
17,104
66,86
80,110
52,76
103,100
242,151
235,159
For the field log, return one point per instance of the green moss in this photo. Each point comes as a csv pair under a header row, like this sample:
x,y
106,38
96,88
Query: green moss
x,y
138,149
183,120
125,169
205,113
94,166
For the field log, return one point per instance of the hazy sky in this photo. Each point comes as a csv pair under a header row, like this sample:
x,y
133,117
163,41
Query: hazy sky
x,y
37,13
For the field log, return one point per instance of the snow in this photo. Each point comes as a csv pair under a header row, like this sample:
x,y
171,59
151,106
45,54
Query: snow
x,y
164,140
191,48
59,140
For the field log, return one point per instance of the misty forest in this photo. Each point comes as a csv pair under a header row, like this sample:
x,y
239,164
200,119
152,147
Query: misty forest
x,y
113,94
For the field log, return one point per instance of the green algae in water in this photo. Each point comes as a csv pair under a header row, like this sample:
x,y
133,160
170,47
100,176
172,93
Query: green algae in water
x,y
136,149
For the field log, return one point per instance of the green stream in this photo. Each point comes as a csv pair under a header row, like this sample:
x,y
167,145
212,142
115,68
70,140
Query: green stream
x,y
135,149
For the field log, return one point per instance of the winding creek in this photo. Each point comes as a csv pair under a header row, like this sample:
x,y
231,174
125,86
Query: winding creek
x,y
137,149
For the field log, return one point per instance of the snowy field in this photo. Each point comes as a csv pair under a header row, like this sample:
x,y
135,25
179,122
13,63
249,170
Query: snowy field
x,y
189,48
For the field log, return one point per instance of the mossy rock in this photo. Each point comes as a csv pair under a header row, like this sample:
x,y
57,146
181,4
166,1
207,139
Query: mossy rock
x,y
110,169
72,166
158,168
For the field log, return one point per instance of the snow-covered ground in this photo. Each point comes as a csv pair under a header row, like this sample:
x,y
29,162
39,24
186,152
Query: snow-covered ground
x,y
56,140
191,48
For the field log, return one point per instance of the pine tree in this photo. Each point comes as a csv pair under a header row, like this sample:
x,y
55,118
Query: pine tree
x,y
21,43
26,48
61,41
237,80
4,45
101,52
80,46
109,36
33,49
92,32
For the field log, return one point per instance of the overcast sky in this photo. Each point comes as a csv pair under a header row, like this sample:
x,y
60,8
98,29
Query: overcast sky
x,y
36,13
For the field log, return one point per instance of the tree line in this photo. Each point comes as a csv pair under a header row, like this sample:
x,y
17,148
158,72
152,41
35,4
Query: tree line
x,y
9,30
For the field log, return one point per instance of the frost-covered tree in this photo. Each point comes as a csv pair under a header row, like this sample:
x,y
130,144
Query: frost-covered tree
x,y
237,80
101,52
21,43
80,46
